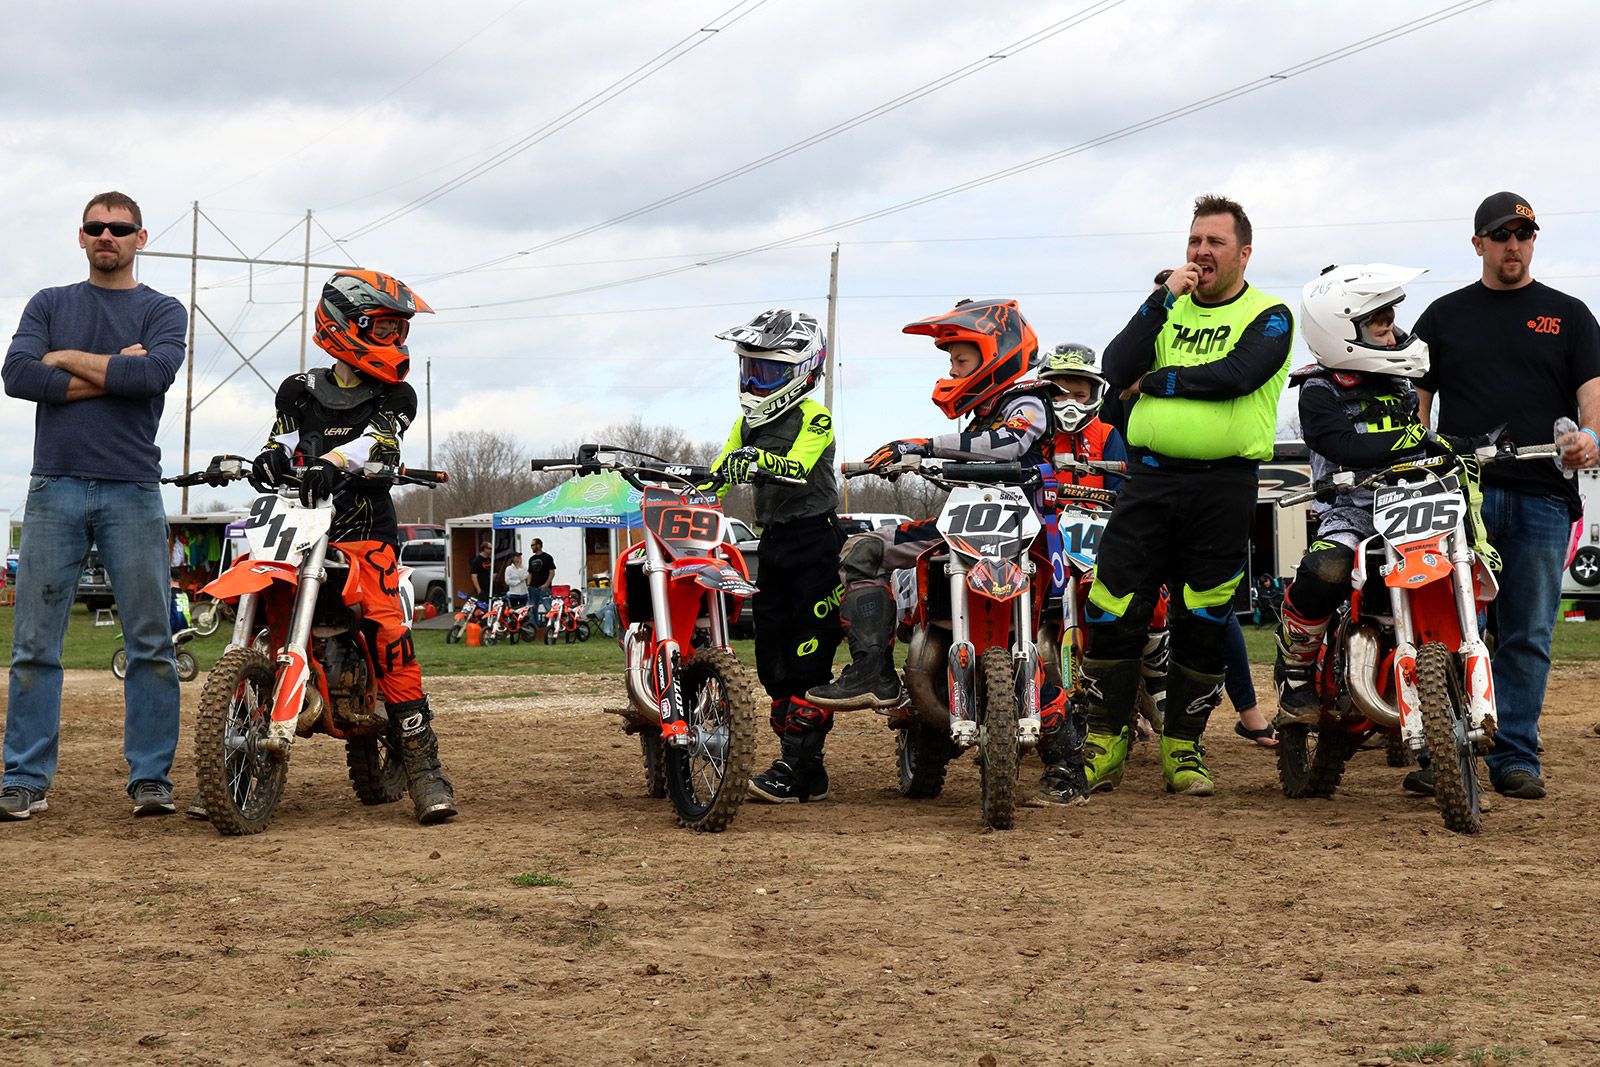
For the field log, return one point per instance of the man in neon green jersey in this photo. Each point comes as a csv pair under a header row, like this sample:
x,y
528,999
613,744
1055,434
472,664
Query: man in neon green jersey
x,y
1207,355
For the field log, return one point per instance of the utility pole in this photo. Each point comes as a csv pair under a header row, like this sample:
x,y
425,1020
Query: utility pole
x,y
305,293
833,355
428,392
188,396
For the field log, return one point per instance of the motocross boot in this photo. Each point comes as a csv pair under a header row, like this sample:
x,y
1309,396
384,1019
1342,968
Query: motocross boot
x,y
413,736
1294,669
797,775
1191,698
869,681
1154,663
1110,687
1061,750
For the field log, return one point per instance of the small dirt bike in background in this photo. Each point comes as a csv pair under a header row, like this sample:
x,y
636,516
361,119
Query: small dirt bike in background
x,y
694,706
297,662
973,663
1404,656
564,621
472,610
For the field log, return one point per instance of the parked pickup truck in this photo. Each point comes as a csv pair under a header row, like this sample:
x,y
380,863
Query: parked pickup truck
x,y
426,559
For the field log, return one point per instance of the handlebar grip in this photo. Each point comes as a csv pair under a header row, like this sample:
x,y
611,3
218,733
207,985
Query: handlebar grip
x,y
852,470
425,477
549,464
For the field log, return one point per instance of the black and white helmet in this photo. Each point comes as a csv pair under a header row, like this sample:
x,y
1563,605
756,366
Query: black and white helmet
x,y
1073,360
1335,308
782,355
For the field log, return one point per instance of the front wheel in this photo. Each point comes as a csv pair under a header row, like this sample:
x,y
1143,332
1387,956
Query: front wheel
x,y
376,773
997,739
206,618
1444,723
188,666
119,663
240,780
457,631
924,753
707,779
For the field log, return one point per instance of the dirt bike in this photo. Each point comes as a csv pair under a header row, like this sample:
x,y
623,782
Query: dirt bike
x,y
188,666
974,666
1404,656
693,704
472,610
565,621
297,662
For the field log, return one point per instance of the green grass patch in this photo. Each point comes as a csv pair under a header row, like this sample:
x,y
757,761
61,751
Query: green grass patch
x,y
1482,1057
1428,1050
529,879
312,953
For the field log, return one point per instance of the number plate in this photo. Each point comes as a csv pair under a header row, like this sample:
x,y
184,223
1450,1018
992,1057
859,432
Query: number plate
x,y
1080,533
685,528
992,523
279,530
1420,511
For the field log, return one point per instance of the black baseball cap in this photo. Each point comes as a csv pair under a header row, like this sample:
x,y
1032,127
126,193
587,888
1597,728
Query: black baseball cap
x,y
1500,209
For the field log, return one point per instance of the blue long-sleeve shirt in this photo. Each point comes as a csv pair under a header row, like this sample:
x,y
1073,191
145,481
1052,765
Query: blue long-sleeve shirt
x,y
112,436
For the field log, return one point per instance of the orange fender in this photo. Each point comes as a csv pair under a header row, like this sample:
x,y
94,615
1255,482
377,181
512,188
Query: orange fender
x,y
249,576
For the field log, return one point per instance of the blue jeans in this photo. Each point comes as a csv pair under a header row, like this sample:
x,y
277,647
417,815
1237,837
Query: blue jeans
x,y
127,521
1236,670
1530,532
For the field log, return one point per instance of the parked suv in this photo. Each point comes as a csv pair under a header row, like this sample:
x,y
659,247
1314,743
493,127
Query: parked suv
x,y
94,585
419,531
426,559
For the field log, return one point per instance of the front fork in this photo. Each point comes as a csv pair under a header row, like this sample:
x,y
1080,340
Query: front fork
x,y
963,662
1478,682
293,666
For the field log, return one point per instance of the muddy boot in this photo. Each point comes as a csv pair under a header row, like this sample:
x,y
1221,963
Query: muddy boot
x,y
1294,670
1061,750
409,729
870,680
797,776
1154,663
1110,687
1191,698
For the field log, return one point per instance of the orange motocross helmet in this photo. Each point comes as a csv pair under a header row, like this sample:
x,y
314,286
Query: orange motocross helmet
x,y
1003,336
352,303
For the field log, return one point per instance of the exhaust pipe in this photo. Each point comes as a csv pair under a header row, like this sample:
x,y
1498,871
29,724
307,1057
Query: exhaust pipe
x,y
1363,651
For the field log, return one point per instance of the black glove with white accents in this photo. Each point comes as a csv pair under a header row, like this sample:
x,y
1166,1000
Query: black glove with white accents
x,y
271,469
318,481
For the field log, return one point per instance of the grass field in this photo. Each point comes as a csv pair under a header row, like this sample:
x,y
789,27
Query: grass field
x,y
89,646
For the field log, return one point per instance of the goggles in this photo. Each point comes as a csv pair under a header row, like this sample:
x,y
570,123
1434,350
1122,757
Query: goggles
x,y
762,377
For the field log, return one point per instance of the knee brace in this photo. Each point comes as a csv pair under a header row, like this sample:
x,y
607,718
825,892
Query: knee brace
x,y
861,559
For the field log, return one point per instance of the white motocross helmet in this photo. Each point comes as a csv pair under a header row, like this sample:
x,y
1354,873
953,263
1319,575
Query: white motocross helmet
x,y
1072,360
782,355
1334,311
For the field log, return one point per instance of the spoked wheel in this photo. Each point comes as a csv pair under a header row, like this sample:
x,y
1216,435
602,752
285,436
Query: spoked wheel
x,y
188,666
376,773
550,635
119,663
655,762
1311,760
997,739
206,618
1444,722
924,753
457,631
707,779
240,780
583,631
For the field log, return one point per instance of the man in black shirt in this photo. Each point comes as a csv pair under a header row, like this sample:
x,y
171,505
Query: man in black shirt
x,y
482,568
1510,350
541,572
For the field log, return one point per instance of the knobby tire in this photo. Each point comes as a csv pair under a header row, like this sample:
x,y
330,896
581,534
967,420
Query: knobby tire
x,y
1455,779
997,739
706,794
241,787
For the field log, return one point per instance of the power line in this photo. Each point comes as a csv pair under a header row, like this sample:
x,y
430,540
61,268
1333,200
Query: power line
x,y
944,81
649,68
1205,103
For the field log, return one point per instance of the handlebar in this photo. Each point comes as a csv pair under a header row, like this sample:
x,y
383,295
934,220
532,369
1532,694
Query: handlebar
x,y
230,468
593,459
942,471
1343,481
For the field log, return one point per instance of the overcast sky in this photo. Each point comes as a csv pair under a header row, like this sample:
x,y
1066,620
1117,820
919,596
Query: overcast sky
x,y
367,114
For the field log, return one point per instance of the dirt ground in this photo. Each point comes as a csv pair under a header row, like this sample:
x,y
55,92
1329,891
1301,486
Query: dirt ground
x,y
868,929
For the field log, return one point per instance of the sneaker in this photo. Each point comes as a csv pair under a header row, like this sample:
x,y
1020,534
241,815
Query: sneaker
x,y
779,784
1521,785
19,802
1064,785
197,807
1183,765
1419,781
1105,756
153,798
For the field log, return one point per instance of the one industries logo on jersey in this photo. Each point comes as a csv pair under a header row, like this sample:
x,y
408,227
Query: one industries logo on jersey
x,y
1201,342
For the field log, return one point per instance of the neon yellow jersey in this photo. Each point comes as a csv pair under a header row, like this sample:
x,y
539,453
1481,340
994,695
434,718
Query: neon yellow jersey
x,y
1210,429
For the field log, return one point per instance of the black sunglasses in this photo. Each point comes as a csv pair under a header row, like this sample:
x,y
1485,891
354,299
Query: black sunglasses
x,y
1502,234
118,229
